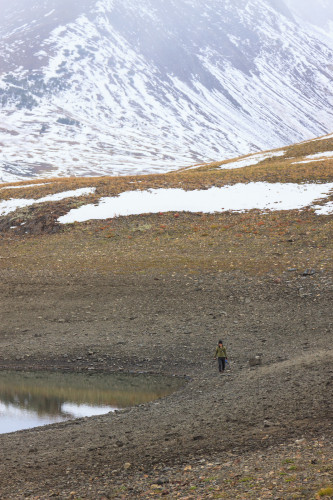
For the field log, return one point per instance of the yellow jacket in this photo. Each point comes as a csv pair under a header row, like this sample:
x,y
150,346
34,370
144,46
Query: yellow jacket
x,y
220,352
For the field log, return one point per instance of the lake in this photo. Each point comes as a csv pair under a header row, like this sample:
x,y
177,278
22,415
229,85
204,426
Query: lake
x,y
31,399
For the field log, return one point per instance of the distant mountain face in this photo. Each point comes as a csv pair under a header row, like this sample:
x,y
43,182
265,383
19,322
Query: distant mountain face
x,y
132,86
316,12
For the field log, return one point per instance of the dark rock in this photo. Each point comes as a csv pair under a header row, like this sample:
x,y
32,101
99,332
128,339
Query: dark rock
x,y
309,272
162,480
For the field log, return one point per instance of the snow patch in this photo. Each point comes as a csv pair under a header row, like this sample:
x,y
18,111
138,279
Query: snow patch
x,y
315,157
239,197
8,206
24,186
326,209
252,160
49,13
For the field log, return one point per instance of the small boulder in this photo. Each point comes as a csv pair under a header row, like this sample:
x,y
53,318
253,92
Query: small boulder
x,y
256,361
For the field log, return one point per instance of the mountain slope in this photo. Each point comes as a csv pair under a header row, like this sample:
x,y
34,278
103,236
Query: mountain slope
x,y
131,87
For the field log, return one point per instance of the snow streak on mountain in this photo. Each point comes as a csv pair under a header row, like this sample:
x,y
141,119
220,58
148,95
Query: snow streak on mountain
x,y
132,86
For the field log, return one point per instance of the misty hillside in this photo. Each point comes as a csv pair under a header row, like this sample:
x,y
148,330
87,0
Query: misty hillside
x,y
122,86
319,13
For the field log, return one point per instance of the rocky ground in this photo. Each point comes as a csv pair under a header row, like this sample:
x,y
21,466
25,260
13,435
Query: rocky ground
x,y
261,430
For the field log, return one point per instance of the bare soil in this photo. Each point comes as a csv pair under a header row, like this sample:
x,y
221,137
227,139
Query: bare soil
x,y
257,431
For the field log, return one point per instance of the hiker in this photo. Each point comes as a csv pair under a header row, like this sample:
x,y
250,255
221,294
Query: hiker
x,y
221,355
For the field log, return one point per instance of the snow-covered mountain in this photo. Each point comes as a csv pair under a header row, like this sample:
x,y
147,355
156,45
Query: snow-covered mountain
x,y
132,86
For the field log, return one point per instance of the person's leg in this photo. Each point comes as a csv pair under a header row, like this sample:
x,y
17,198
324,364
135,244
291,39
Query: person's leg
x,y
220,364
223,364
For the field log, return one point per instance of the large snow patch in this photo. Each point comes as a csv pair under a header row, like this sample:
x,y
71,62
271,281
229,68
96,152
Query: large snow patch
x,y
239,197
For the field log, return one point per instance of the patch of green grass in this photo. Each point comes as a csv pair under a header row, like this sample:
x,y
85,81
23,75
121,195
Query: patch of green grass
x,y
122,488
290,479
142,227
325,492
246,479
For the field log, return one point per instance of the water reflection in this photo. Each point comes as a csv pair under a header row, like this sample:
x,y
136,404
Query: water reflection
x,y
32,399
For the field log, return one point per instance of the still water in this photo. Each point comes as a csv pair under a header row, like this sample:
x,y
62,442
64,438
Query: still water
x,y
32,399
